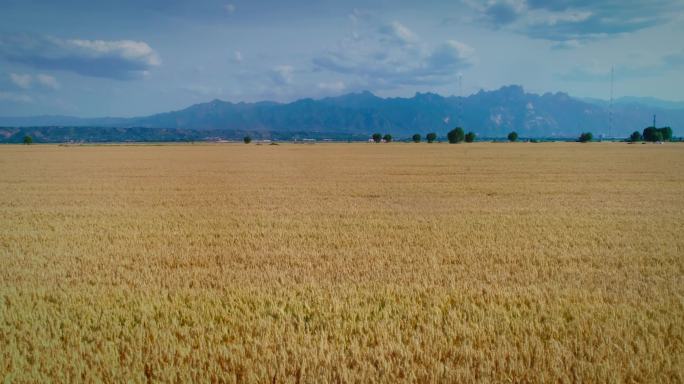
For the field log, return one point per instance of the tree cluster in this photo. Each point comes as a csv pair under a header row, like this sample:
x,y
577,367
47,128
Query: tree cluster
x,y
457,135
513,136
586,137
654,134
430,137
378,138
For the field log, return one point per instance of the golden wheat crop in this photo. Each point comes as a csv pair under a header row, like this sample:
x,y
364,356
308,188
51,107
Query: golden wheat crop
x,y
554,262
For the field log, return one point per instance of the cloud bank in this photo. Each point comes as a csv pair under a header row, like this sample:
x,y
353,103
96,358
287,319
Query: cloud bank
x,y
26,81
575,20
392,55
114,59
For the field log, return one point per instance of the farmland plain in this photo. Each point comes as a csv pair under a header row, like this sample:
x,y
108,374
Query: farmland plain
x,y
550,262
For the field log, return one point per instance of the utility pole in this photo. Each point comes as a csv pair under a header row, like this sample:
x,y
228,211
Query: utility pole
x,y
654,121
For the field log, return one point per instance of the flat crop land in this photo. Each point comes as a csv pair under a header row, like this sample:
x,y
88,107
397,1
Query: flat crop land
x,y
552,262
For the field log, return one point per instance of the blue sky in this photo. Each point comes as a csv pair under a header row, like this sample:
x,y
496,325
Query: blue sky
x,y
129,58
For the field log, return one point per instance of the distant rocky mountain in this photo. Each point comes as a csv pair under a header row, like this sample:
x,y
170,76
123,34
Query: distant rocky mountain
x,y
488,113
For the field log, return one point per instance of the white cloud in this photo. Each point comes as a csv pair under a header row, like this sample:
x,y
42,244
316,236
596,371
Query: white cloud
x,y
26,81
282,74
135,51
116,59
47,81
555,18
15,97
501,12
229,8
397,33
336,86
358,15
450,56
237,57
577,20
21,81
203,90
567,44
374,63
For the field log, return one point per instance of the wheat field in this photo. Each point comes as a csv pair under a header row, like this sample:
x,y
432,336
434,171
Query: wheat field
x,y
551,262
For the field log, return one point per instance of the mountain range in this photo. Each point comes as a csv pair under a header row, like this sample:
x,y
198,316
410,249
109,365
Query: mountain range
x,y
357,115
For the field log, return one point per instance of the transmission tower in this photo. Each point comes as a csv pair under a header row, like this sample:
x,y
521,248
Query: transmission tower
x,y
610,106
460,101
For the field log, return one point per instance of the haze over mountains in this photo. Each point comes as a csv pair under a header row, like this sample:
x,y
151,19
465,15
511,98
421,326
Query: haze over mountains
x,y
488,113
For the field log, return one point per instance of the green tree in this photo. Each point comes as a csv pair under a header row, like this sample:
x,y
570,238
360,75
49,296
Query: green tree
x,y
666,132
28,140
456,135
657,134
247,139
470,137
416,138
649,133
635,136
431,137
377,137
387,138
513,136
585,137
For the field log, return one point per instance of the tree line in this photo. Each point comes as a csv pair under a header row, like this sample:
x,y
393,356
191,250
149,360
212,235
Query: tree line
x,y
458,135
652,134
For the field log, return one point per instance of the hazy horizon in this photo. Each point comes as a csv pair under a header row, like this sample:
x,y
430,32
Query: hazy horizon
x,y
622,99
127,59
